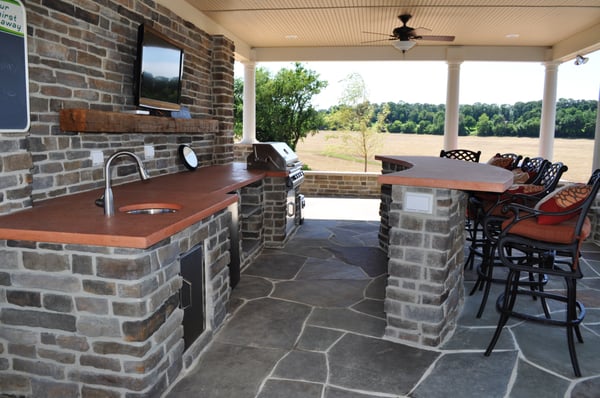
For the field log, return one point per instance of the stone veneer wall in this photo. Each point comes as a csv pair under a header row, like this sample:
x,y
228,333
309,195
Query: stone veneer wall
x,y
252,222
424,292
275,203
81,55
81,321
340,184
384,206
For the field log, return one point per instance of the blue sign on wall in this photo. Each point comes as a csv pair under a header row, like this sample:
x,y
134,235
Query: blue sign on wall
x,y
14,79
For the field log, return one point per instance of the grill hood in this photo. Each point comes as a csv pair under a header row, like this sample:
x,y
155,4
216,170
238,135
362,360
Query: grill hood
x,y
272,156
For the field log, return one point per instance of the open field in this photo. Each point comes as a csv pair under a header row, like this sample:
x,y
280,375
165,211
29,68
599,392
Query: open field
x,y
576,154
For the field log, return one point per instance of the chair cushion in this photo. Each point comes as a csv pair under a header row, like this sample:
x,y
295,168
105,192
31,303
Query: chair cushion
x,y
562,199
499,161
563,232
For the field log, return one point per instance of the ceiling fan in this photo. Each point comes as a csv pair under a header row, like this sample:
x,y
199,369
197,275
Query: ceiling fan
x,y
406,36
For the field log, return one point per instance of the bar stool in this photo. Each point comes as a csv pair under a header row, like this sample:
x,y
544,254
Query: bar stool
x,y
492,212
508,161
546,240
468,156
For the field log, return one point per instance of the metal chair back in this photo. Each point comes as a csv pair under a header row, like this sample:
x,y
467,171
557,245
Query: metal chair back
x,y
461,154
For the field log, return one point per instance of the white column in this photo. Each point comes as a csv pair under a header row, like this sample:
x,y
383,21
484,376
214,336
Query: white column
x,y
249,112
596,161
548,120
452,105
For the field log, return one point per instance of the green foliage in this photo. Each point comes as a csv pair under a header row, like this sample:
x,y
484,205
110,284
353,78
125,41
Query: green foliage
x,y
238,107
574,119
283,104
357,114
284,113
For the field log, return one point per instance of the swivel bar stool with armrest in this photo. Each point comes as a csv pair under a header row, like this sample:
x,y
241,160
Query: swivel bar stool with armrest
x,y
491,213
546,240
468,156
508,161
535,167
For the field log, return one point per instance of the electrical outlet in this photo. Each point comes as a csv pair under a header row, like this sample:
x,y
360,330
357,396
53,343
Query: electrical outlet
x,y
418,202
148,152
97,157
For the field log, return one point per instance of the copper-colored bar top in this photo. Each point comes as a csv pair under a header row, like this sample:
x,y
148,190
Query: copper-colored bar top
x,y
436,172
76,219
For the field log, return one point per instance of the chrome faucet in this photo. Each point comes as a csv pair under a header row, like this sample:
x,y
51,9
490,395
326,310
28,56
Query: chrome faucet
x,y
109,205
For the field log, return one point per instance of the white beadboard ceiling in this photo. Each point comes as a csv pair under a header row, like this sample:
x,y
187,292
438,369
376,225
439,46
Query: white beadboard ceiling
x,y
279,28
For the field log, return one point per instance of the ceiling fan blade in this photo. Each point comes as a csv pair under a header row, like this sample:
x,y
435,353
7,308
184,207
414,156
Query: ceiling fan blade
x,y
377,33
376,40
420,30
437,38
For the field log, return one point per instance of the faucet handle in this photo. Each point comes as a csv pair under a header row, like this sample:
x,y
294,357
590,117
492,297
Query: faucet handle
x,y
100,201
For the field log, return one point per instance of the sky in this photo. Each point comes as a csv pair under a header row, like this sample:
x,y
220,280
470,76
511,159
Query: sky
x,y
425,82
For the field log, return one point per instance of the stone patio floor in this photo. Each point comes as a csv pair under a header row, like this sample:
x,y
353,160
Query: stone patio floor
x,y
307,320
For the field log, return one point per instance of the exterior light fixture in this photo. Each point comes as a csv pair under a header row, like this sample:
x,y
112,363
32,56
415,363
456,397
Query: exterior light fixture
x,y
580,60
404,45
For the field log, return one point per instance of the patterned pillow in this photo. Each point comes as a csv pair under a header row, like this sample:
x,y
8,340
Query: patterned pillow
x,y
499,161
520,176
563,199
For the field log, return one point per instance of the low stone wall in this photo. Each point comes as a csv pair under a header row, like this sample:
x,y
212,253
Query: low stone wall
x,y
340,184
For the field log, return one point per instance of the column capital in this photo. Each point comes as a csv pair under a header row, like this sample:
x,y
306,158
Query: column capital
x,y
551,65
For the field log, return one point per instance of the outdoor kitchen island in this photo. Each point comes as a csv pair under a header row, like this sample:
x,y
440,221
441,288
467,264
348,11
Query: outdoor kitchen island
x,y
94,305
423,205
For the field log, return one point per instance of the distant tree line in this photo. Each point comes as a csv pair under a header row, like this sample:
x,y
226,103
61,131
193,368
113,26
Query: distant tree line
x,y
574,118
284,112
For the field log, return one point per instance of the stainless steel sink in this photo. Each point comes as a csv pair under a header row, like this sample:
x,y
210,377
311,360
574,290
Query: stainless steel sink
x,y
150,208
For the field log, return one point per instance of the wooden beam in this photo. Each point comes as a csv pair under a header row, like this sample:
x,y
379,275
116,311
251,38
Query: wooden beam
x,y
95,121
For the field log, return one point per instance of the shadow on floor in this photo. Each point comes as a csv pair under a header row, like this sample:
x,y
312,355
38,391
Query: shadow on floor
x,y
307,320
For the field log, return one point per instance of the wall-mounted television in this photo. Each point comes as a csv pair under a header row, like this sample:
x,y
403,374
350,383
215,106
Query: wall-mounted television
x,y
158,71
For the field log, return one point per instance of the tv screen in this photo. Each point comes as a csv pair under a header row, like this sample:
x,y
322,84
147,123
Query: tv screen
x,y
159,68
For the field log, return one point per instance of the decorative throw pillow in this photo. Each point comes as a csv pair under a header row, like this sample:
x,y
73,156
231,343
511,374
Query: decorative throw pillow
x,y
499,161
520,176
562,199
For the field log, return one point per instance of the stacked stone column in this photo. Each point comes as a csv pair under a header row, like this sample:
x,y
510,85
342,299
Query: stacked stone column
x,y
425,286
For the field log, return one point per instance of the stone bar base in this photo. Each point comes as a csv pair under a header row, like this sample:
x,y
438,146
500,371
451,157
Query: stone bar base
x,y
425,287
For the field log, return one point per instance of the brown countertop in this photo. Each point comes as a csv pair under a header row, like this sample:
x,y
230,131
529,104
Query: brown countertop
x,y
436,172
76,219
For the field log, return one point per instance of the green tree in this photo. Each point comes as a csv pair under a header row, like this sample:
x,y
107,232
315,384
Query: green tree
x,y
484,125
355,114
238,107
283,104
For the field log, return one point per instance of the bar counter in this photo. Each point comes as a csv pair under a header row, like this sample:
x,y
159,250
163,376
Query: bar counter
x,y
422,229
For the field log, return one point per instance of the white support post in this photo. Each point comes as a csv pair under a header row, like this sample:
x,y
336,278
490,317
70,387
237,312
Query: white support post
x,y
249,113
548,119
452,106
596,161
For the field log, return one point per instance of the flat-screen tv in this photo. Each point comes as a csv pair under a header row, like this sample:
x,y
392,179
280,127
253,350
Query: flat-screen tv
x,y
159,66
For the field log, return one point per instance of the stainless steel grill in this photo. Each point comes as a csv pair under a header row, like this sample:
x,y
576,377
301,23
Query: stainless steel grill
x,y
277,156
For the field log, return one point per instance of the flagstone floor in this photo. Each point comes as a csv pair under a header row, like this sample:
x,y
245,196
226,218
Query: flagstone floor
x,y
307,320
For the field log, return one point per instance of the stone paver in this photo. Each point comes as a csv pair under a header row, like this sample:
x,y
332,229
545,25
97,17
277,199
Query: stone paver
x,y
307,321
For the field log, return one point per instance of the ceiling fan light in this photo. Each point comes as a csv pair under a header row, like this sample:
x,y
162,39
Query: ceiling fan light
x,y
580,60
404,45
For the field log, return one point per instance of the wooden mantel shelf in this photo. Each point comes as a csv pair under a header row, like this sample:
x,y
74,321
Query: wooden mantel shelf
x,y
95,121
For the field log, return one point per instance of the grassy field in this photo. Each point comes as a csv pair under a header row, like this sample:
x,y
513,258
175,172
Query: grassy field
x,y
323,152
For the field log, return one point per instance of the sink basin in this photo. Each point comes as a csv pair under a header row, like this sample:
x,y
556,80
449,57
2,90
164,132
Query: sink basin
x,y
150,208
